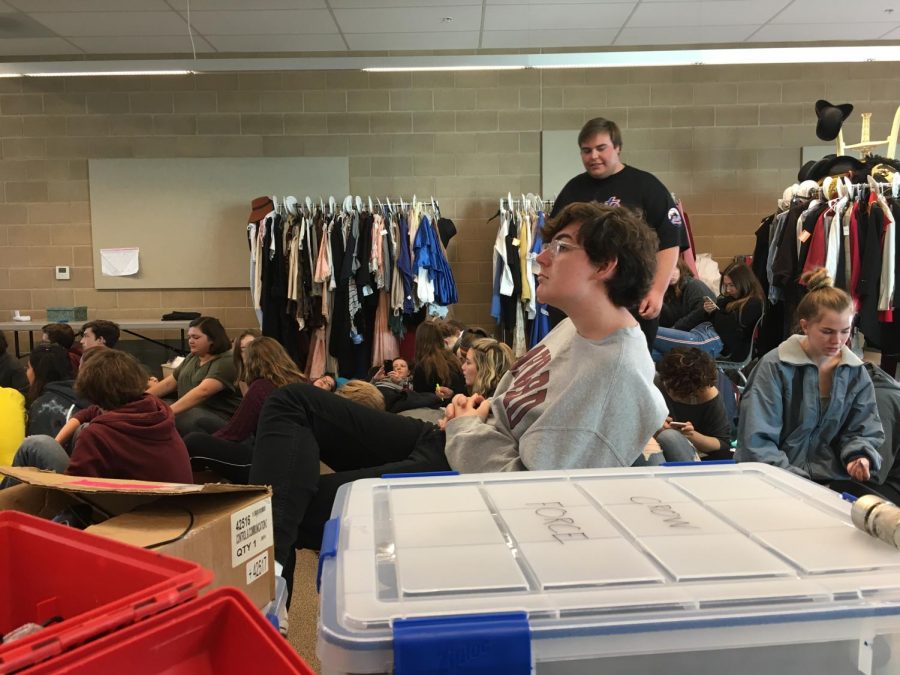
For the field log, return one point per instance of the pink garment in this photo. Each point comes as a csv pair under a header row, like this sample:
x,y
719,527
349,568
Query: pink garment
x,y
315,362
384,343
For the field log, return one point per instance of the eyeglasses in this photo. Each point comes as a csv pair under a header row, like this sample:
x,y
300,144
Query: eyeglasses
x,y
557,245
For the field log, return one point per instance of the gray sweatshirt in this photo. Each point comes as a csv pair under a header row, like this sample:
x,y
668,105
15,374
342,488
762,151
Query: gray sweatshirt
x,y
568,403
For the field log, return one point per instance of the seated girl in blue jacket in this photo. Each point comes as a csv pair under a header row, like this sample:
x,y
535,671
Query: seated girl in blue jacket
x,y
809,406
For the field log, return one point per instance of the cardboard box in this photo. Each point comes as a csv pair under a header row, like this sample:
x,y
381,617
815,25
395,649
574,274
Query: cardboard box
x,y
227,529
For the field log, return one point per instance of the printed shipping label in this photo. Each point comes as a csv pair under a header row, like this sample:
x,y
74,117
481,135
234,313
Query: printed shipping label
x,y
257,567
251,531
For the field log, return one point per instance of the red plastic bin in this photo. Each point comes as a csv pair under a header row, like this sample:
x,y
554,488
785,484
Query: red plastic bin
x,y
222,633
94,584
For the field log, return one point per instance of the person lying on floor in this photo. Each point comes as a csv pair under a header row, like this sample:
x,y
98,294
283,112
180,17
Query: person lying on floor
x,y
265,366
126,433
582,397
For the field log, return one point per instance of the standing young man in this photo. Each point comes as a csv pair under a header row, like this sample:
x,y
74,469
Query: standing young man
x,y
608,181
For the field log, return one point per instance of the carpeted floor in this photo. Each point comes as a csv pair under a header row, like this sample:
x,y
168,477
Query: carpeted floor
x,y
304,611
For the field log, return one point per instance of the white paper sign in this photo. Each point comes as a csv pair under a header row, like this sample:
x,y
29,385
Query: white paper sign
x,y
251,531
257,568
119,262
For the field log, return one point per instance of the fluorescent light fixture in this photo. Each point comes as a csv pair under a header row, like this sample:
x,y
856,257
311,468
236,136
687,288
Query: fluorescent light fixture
x,y
423,69
713,57
469,62
88,73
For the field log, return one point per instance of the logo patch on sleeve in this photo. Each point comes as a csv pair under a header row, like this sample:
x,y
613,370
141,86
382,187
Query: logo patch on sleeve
x,y
674,217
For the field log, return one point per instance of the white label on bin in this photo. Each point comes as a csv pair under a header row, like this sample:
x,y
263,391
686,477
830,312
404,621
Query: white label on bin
x,y
257,567
251,531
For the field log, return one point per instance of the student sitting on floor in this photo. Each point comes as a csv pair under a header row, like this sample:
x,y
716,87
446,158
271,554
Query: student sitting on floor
x,y
63,335
582,397
437,371
697,422
204,382
239,357
51,394
99,333
485,363
229,450
809,406
125,434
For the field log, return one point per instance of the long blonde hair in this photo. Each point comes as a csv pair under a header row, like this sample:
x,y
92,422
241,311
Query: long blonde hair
x,y
492,360
267,359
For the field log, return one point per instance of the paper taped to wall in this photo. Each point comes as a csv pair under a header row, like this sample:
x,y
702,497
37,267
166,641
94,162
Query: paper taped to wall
x,y
119,262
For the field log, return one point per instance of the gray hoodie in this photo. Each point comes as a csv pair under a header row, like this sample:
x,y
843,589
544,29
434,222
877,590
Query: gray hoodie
x,y
782,421
568,403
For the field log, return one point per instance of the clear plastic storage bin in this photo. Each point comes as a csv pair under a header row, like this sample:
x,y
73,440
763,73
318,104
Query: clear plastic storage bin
x,y
739,569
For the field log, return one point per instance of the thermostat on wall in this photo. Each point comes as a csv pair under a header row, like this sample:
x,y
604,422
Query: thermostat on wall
x,y
62,272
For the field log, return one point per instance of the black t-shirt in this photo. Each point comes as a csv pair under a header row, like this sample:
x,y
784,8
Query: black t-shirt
x,y
709,418
636,189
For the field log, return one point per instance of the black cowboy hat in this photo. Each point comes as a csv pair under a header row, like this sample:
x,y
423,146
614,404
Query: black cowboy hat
x,y
831,117
833,165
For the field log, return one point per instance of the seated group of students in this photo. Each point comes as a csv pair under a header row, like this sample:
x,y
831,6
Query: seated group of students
x,y
197,425
587,396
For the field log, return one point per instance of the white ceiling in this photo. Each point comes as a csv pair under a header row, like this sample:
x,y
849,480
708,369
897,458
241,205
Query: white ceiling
x,y
44,28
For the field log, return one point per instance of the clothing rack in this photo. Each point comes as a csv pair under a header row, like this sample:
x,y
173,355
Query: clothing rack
x,y
351,202
333,314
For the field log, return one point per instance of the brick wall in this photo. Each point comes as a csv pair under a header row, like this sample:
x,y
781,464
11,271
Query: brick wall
x,y
726,139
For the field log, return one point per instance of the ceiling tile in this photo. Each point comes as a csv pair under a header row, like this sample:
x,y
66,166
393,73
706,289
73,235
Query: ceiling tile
x,y
894,34
420,40
201,5
409,19
376,4
330,42
737,13
90,5
142,44
36,47
838,13
683,35
113,23
556,16
263,22
490,3
591,37
793,33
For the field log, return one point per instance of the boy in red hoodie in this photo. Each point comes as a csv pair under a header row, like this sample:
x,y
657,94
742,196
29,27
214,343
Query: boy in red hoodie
x,y
126,433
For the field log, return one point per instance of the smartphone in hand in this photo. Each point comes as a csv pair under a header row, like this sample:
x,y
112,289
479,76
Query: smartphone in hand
x,y
709,299
388,366
678,425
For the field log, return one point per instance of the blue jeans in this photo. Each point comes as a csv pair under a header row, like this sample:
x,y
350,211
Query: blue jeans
x,y
703,337
42,452
675,447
